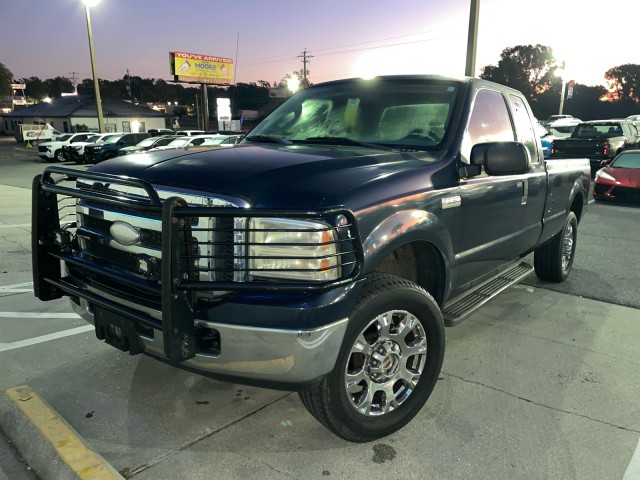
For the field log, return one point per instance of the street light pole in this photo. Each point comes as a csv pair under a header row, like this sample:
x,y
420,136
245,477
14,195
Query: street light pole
x,y
96,83
562,95
472,39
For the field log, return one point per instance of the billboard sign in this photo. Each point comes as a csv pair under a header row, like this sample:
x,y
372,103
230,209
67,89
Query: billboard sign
x,y
199,68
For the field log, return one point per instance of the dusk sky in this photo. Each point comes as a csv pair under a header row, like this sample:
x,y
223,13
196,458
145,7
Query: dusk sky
x,y
48,38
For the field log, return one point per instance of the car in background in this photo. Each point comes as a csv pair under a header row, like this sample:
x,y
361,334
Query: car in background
x,y
183,142
633,118
147,144
52,151
74,152
555,118
157,132
546,139
190,133
619,179
222,141
99,152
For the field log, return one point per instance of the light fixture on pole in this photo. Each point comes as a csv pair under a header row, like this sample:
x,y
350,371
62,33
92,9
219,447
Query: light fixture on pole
x,y
96,84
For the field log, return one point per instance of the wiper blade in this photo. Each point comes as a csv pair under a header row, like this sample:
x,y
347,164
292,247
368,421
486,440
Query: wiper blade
x,y
268,138
345,141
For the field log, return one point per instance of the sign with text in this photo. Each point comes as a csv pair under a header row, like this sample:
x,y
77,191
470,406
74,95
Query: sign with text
x,y
199,68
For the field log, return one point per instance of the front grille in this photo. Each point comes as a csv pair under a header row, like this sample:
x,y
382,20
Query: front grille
x,y
625,194
131,238
42,149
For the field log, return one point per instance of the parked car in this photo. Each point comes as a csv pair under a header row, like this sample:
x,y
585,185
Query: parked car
x,y
567,119
155,132
546,139
633,118
597,140
620,178
52,151
75,151
183,142
223,140
98,152
147,144
190,133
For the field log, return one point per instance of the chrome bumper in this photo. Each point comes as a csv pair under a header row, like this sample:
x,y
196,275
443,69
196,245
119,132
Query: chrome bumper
x,y
263,354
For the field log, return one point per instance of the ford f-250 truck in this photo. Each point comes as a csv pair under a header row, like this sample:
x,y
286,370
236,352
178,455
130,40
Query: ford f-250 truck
x,y
326,252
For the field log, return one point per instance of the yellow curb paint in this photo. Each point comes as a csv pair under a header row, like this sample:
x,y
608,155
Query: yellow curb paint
x,y
82,460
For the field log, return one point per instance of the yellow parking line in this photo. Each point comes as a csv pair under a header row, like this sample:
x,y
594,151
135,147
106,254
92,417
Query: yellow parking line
x,y
74,452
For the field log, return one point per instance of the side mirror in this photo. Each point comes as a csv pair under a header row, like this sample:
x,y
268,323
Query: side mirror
x,y
605,162
501,158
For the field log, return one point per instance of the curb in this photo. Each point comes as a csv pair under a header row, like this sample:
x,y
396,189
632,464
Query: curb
x,y
49,445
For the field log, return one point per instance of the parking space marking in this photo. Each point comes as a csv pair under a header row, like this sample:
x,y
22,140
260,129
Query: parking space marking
x,y
25,287
18,225
38,315
633,470
66,442
44,338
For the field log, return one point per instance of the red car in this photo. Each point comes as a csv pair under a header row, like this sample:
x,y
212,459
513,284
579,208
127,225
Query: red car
x,y
620,179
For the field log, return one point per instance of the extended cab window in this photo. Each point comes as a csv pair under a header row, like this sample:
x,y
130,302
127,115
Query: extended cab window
x,y
524,127
489,122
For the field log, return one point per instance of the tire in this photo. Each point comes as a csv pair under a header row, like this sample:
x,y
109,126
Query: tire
x,y
553,260
350,401
59,156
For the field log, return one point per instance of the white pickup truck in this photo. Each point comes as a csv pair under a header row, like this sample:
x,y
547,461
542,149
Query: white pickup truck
x,y
52,151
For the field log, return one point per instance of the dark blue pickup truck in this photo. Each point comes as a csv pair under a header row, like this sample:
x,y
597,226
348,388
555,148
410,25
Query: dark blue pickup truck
x,y
327,251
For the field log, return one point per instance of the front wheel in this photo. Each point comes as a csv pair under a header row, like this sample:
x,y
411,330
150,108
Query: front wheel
x,y
388,364
553,261
59,155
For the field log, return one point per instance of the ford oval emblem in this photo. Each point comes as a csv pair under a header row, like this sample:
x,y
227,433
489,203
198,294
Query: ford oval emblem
x,y
124,234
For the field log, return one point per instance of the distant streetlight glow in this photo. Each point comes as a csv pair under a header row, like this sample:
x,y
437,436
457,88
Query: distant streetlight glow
x,y
46,100
96,83
293,84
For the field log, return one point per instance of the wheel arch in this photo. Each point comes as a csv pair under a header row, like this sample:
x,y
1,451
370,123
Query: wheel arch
x,y
414,245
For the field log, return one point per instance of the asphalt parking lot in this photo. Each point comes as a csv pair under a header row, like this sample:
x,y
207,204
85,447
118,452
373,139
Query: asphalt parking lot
x,y
539,384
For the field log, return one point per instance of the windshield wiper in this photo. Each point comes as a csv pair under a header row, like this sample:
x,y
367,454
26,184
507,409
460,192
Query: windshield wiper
x,y
268,138
345,141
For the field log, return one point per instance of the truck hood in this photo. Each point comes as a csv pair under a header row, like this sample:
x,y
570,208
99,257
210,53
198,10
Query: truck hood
x,y
271,176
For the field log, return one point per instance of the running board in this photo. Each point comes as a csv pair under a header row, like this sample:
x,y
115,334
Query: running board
x,y
457,309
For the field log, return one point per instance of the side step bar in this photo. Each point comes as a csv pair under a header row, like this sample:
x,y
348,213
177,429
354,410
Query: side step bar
x,y
458,308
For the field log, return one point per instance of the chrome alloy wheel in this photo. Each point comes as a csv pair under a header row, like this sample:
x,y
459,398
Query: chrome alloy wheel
x,y
385,363
567,247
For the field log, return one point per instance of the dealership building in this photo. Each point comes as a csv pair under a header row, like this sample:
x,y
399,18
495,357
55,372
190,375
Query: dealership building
x,y
72,113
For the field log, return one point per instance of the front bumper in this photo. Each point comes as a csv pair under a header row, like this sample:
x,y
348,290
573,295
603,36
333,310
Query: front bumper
x,y
264,356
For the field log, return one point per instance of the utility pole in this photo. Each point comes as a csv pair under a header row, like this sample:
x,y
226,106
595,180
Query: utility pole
x,y
74,81
472,39
305,58
129,85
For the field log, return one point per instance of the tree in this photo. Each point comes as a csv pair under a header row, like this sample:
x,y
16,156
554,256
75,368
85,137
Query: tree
x,y
36,88
5,80
527,68
624,83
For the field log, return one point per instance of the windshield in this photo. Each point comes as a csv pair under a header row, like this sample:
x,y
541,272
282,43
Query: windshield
x,y
587,130
146,142
386,112
179,142
63,138
93,138
113,139
627,160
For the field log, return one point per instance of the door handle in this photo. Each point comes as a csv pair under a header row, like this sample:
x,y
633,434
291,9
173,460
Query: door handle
x,y
524,184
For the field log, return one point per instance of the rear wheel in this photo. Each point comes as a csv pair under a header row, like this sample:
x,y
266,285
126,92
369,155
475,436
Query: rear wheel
x,y
388,364
553,260
59,155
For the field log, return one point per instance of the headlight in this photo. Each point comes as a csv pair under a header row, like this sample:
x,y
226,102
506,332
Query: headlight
x,y
604,175
292,249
